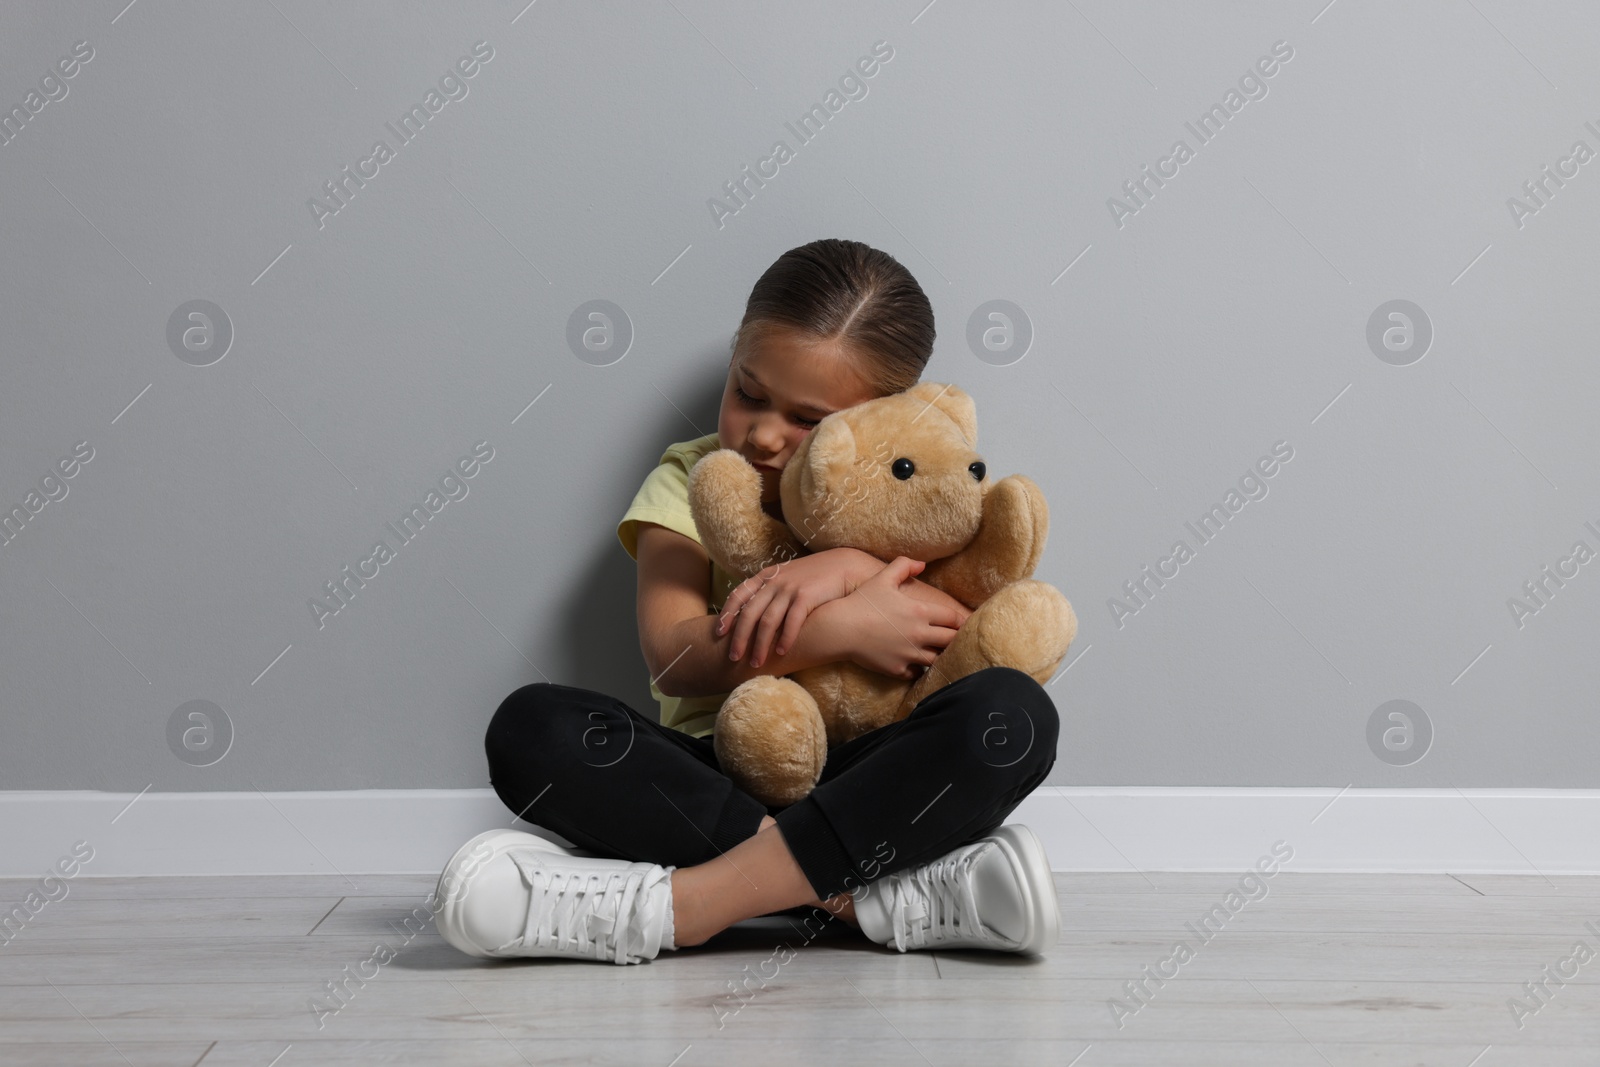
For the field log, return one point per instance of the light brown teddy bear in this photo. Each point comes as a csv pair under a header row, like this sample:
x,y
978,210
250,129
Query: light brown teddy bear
x,y
895,476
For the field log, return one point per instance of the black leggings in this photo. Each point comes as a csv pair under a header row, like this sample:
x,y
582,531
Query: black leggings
x,y
617,784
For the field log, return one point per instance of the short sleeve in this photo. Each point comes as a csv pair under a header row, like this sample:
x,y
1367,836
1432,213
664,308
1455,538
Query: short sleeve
x,y
662,499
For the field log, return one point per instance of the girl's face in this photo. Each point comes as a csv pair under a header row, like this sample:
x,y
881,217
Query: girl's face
x,y
777,392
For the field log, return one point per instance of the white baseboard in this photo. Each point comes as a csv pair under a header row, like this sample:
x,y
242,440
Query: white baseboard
x,y
1506,831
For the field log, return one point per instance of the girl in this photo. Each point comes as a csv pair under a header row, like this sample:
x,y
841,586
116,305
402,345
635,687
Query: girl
x,y
902,836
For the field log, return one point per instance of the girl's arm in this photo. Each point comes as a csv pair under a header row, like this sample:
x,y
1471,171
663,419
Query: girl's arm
x,y
784,595
677,632
891,623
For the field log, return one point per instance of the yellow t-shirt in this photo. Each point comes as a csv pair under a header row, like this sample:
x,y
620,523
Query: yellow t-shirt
x,y
664,499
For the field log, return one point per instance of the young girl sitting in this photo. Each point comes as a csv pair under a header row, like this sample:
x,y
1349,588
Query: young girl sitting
x,y
902,838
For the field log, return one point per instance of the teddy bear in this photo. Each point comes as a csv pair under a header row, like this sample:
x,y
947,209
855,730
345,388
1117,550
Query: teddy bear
x,y
894,476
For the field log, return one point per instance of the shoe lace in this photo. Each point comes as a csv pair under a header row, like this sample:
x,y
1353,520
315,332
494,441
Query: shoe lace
x,y
934,903
578,911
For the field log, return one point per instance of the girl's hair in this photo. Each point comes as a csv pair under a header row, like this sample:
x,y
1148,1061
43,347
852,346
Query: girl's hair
x,y
853,294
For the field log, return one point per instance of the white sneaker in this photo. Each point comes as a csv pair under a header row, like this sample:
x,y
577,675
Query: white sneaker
x,y
996,893
508,893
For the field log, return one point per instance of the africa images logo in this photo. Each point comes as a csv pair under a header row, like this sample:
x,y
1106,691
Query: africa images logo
x,y
1211,122
1252,486
452,486
852,86
452,86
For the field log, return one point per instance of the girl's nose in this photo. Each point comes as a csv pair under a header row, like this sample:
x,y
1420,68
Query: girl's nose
x,y
764,436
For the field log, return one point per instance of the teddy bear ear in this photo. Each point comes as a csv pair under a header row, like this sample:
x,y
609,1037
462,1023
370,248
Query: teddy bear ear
x,y
955,402
829,451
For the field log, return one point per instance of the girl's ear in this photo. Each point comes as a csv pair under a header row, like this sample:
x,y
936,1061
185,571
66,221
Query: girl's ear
x,y
956,404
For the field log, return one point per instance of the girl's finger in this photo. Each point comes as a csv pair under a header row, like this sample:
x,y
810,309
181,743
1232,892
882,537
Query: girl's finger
x,y
736,599
771,617
791,626
903,568
893,570
751,614
743,592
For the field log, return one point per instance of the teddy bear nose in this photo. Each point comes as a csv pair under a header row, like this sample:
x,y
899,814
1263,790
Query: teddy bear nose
x,y
903,468
977,469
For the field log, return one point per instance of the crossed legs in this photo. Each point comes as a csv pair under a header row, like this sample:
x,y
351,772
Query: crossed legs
x,y
582,764
758,876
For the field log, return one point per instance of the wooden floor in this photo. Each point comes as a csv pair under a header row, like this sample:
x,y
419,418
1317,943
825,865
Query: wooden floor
x,y
1324,970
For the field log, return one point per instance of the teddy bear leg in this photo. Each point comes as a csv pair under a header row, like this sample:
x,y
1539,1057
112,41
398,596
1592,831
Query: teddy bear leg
x,y
1027,625
770,739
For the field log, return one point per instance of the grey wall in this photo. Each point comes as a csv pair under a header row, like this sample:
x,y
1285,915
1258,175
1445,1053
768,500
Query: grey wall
x,y
1170,350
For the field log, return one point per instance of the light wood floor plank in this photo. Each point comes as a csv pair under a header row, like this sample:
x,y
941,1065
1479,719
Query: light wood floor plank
x,y
194,917
537,1004
1336,969
1110,956
1189,882
1566,885
102,1054
722,1051
88,887
1283,910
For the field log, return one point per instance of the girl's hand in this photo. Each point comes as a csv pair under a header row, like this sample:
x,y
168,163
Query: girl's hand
x,y
784,594
896,628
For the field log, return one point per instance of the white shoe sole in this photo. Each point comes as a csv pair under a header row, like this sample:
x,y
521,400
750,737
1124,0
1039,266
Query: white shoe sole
x,y
1041,906
476,852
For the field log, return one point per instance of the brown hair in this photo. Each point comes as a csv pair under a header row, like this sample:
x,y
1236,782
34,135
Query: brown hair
x,y
851,293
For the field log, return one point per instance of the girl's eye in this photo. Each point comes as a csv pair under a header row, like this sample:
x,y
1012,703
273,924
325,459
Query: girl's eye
x,y
746,398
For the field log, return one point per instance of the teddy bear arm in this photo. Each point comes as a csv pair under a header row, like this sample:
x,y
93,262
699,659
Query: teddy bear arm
x,y
958,576
748,547
1007,548
725,499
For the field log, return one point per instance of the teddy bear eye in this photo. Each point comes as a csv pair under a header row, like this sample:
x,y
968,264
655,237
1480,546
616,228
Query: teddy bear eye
x,y
977,470
903,468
